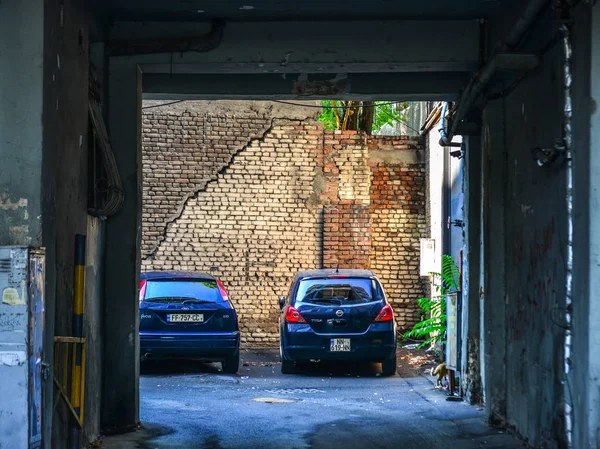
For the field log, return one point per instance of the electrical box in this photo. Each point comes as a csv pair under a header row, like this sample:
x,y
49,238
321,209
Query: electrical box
x,y
22,271
428,260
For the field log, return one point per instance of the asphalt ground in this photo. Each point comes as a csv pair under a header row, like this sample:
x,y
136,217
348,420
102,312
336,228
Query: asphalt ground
x,y
192,405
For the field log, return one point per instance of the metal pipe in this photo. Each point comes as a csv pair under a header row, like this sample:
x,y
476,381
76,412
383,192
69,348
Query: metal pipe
x,y
444,140
568,146
474,88
531,11
480,80
77,366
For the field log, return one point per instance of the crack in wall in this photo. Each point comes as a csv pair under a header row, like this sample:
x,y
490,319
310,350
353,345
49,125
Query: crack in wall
x,y
214,178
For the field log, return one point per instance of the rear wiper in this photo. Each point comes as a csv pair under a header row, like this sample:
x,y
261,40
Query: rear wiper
x,y
162,299
176,299
317,300
196,301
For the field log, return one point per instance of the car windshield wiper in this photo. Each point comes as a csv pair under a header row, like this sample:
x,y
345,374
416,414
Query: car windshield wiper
x,y
196,301
176,299
328,300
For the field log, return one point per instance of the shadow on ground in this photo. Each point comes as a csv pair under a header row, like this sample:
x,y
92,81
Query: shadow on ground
x,y
178,366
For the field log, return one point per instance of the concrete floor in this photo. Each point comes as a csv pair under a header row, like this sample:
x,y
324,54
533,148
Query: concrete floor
x,y
191,405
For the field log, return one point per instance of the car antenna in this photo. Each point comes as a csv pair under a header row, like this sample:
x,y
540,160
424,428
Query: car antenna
x,y
337,267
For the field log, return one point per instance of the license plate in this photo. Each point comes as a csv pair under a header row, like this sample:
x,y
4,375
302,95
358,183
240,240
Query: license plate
x,y
185,318
339,345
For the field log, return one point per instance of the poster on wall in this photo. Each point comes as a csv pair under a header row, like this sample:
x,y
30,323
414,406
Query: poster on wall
x,y
452,330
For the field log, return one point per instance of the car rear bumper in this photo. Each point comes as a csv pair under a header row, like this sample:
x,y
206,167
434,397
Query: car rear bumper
x,y
375,345
207,345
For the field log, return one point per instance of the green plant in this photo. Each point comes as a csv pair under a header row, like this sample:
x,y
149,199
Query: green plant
x,y
365,116
432,327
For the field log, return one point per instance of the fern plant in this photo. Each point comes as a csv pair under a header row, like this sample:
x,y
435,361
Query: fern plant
x,y
433,325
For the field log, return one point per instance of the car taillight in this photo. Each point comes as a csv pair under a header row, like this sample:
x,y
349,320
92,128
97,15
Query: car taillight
x,y
337,276
142,290
223,291
293,316
386,314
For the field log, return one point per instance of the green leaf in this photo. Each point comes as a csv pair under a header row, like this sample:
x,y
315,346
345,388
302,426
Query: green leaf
x,y
432,326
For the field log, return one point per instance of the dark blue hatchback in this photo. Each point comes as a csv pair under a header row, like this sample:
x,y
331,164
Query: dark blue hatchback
x,y
337,315
187,314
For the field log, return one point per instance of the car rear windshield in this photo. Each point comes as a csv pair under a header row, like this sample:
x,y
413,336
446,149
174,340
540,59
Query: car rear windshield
x,y
182,290
338,291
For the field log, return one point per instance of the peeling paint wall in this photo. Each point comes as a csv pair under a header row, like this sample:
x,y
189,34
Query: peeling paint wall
x,y
21,81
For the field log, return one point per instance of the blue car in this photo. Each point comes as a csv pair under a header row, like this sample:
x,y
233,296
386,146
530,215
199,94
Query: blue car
x,y
186,314
337,315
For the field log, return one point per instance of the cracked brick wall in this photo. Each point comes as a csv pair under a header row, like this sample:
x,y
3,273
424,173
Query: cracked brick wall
x,y
272,196
182,152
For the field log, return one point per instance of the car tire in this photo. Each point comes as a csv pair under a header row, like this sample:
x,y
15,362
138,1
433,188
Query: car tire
x,y
388,366
288,367
231,364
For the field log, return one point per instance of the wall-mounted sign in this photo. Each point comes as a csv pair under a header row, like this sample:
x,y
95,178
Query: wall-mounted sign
x,y
428,262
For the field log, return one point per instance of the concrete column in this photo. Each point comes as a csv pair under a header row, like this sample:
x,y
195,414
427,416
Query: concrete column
x,y
21,103
494,314
584,378
120,408
470,361
21,167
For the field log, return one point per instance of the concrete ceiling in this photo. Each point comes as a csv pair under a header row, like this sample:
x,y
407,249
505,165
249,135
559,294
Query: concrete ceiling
x,y
260,10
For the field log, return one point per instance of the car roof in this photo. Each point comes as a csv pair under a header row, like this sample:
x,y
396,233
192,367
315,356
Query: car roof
x,y
148,275
332,271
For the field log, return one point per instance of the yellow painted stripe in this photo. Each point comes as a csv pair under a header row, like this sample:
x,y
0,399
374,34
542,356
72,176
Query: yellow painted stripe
x,y
76,387
79,285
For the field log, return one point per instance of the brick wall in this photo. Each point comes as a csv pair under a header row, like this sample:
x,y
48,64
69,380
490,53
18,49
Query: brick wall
x,y
397,223
252,199
182,152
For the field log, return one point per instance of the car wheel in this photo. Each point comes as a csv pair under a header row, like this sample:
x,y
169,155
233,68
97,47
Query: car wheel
x,y
231,364
388,366
288,367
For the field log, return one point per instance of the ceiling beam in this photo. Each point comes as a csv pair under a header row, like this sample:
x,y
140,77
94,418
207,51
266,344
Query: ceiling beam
x,y
309,47
372,86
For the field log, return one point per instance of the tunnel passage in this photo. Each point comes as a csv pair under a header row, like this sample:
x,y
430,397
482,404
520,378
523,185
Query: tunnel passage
x,y
503,63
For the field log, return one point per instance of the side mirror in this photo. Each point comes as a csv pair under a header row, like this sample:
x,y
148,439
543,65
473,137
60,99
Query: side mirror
x,y
281,301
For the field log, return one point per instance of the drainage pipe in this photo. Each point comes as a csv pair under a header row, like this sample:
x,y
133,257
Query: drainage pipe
x,y
483,76
568,147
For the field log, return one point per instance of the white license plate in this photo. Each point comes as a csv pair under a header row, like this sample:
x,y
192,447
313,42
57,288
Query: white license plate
x,y
339,345
185,318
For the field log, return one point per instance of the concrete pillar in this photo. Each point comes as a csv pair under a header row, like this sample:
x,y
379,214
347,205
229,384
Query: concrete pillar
x,y
470,350
21,171
21,94
494,313
120,408
584,379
